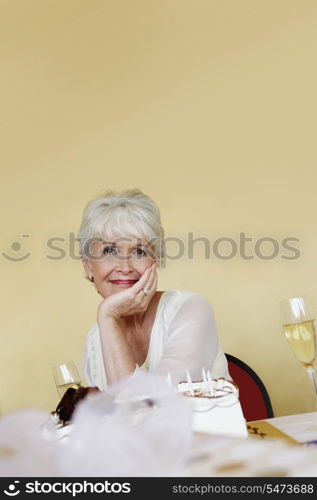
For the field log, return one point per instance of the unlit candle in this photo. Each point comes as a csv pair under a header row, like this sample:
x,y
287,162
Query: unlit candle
x,y
189,382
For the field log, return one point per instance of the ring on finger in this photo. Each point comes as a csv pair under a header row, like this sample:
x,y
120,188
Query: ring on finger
x,y
147,291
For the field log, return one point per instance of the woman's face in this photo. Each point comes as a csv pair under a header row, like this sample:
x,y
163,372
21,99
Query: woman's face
x,y
117,264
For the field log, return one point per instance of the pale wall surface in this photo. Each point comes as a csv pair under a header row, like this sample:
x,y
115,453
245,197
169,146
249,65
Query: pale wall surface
x,y
210,108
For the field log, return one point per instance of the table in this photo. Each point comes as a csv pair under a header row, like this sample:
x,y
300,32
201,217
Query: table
x,y
215,456
301,427
24,453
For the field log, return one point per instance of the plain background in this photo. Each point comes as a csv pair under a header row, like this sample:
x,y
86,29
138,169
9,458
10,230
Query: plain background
x,y
208,106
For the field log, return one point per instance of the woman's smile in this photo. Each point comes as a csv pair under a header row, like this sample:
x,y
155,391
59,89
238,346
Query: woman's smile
x,y
123,282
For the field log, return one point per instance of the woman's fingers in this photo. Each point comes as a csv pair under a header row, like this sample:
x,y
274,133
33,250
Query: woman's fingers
x,y
154,285
139,285
150,284
149,288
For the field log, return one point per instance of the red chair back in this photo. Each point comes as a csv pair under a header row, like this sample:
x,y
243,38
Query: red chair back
x,y
254,398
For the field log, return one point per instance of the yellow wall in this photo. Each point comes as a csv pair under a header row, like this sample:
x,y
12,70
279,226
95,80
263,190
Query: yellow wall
x,y
209,106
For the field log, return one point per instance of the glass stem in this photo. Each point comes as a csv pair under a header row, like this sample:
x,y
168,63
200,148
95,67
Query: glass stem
x,y
312,376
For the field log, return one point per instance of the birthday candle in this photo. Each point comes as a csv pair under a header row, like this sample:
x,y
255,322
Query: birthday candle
x,y
189,381
205,382
209,382
169,380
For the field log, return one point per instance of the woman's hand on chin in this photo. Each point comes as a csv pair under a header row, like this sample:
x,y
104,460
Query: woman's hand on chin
x,y
130,301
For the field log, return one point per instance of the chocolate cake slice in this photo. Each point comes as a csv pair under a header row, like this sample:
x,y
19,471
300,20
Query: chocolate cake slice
x,y
69,401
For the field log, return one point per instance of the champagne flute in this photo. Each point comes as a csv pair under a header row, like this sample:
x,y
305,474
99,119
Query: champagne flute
x,y
299,330
66,375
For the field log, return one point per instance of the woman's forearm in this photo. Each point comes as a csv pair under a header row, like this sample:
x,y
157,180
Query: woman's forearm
x,y
118,360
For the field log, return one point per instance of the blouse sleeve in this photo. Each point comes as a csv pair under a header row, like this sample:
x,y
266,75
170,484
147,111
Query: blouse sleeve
x,y
93,366
192,342
88,359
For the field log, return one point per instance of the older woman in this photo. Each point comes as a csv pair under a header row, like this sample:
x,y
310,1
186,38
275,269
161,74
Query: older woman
x,y
137,325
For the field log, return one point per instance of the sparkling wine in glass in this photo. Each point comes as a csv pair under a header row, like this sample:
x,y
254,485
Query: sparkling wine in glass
x,y
299,330
66,375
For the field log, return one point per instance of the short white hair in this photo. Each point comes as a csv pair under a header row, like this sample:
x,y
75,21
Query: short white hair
x,y
122,214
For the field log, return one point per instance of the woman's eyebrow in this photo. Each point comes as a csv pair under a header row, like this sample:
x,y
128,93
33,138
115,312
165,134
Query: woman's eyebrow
x,y
115,243
112,243
139,245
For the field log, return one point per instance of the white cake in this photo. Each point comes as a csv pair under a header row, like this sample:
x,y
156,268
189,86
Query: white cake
x,y
216,407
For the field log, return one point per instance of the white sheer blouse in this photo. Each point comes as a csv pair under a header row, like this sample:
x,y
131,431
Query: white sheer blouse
x,y
183,337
